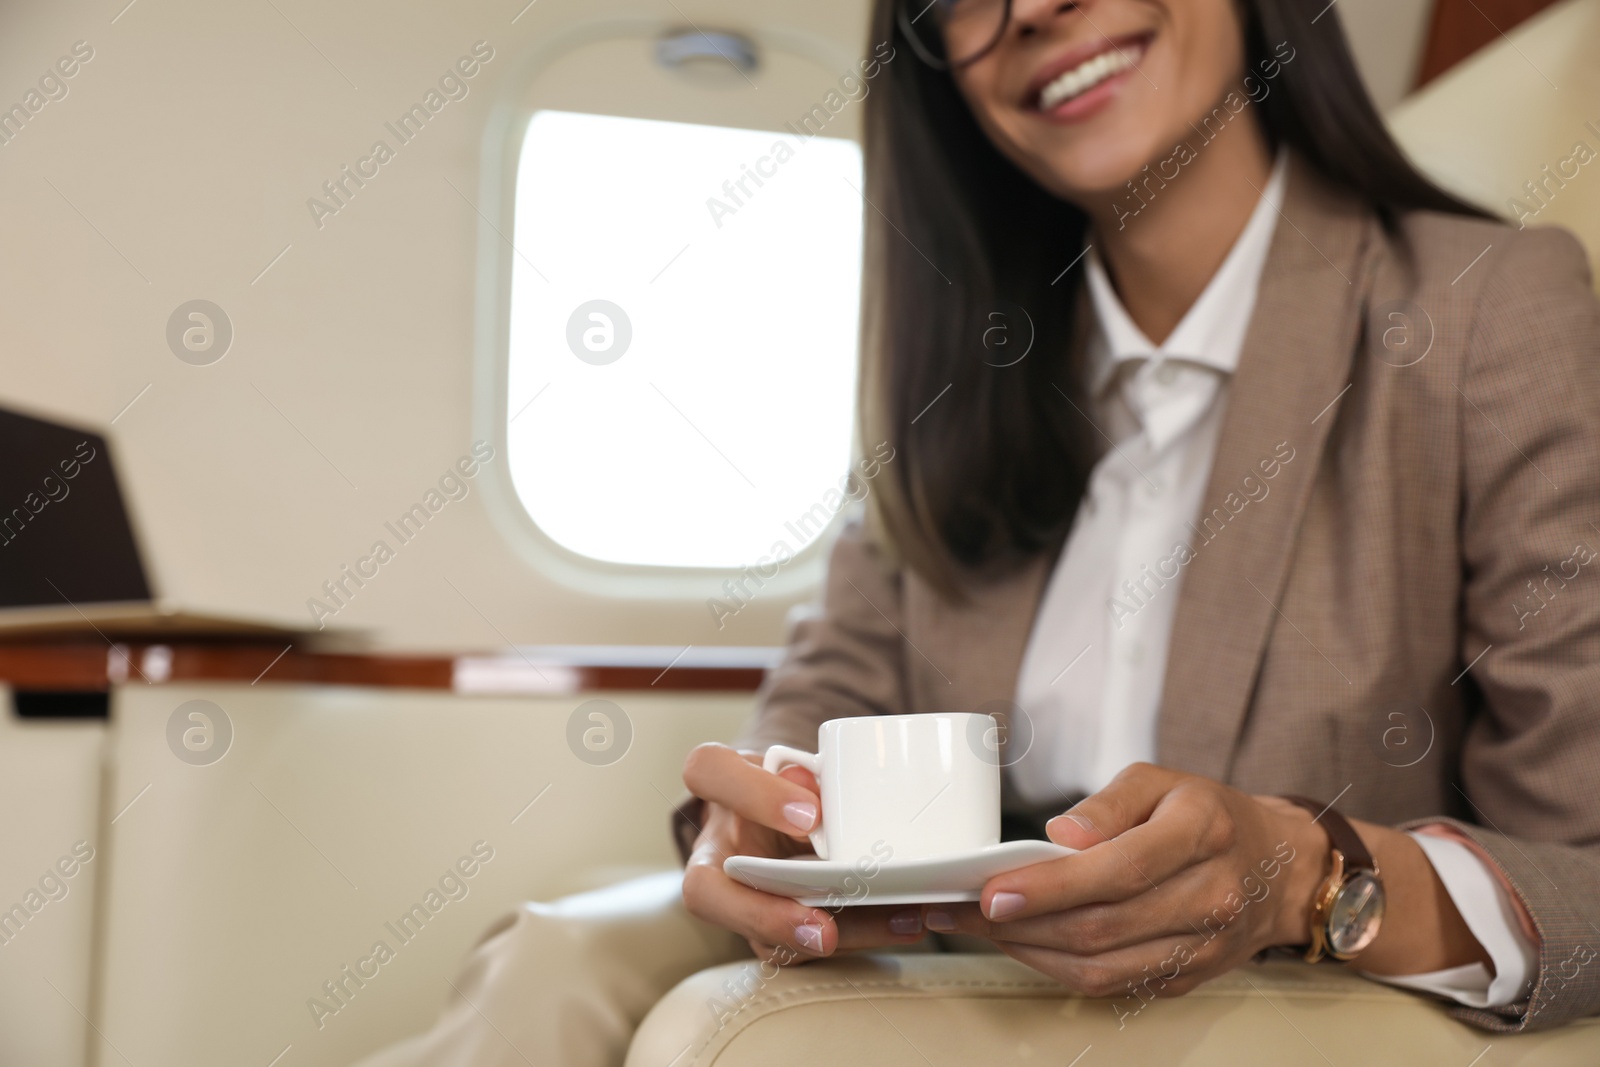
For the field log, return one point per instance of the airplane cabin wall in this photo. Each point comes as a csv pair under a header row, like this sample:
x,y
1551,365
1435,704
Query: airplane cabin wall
x,y
178,166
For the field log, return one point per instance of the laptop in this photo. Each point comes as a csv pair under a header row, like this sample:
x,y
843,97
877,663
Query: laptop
x,y
70,557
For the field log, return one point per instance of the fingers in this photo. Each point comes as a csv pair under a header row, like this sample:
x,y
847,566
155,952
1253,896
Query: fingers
x,y
1126,802
759,917
719,774
1165,967
1186,826
767,920
900,926
745,803
878,926
1195,954
955,919
1101,927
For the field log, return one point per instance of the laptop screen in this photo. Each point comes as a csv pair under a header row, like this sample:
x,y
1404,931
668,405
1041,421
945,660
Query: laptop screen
x,y
65,537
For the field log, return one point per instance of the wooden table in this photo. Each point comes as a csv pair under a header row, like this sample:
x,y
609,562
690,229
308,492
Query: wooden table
x,y
67,674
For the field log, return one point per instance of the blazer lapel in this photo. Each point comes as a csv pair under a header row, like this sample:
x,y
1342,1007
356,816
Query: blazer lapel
x,y
1285,395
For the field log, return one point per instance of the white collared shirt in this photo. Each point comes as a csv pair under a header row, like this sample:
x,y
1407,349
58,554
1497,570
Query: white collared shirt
x,y
1093,672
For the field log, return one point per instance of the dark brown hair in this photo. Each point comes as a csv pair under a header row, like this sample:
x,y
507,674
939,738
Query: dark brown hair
x,y
993,459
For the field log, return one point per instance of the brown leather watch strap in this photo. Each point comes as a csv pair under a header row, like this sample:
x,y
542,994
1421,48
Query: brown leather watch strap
x,y
1340,833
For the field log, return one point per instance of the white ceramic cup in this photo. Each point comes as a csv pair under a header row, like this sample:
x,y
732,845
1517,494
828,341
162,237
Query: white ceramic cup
x,y
912,782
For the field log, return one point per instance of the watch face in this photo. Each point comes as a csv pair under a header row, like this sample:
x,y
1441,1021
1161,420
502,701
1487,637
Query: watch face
x,y
1355,914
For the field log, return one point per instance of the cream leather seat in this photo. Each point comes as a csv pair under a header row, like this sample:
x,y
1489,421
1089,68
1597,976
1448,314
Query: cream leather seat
x,y
930,1008
1491,125
50,802
1482,130
239,890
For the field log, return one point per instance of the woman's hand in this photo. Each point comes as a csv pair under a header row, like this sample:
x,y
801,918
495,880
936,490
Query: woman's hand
x,y
1179,879
749,812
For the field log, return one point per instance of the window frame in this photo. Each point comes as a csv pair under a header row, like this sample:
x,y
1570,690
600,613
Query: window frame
x,y
503,137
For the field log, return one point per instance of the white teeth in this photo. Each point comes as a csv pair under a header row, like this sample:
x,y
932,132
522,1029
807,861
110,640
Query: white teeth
x,y
1087,75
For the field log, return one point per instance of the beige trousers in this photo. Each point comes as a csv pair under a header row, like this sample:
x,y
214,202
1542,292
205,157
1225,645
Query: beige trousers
x,y
568,982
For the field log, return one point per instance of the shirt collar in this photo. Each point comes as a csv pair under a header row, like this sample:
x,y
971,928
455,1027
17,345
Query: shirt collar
x,y
1212,331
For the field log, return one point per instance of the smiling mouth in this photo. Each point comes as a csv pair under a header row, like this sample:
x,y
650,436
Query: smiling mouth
x,y
1117,57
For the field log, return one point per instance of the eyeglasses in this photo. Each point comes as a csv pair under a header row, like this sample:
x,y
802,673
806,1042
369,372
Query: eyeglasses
x,y
950,34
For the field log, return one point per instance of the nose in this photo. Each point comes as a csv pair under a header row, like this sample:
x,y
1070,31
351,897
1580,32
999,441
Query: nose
x,y
1031,16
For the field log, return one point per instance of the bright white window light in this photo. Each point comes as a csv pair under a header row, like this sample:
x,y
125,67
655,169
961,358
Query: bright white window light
x,y
683,339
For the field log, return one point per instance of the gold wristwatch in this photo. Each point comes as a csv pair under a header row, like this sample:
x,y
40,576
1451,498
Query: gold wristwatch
x,y
1348,908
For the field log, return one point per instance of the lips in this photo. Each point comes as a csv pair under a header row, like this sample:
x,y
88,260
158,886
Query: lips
x,y
1079,70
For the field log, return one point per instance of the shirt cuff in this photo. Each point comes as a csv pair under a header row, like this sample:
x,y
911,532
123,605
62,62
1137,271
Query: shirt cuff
x,y
1491,915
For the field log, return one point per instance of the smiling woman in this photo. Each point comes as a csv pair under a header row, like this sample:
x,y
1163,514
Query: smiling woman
x,y
1215,766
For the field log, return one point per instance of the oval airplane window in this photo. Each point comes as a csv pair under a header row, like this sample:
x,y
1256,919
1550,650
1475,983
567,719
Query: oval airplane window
x,y
684,303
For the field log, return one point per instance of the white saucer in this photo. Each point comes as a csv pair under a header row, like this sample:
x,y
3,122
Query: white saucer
x,y
937,879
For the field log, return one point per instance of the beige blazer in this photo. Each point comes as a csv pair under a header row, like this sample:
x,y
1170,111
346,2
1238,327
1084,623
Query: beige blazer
x,y
1408,621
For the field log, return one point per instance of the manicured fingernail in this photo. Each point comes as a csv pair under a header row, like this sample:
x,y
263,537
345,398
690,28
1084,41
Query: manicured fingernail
x,y
809,935
1083,823
1003,904
801,815
906,922
940,921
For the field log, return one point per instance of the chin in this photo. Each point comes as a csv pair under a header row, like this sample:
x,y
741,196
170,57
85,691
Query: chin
x,y
1100,170
1091,166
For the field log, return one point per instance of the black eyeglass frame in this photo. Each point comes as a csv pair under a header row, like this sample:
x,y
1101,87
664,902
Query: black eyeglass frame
x,y
909,32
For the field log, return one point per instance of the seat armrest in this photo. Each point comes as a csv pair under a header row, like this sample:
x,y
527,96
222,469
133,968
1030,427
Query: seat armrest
x,y
987,1008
